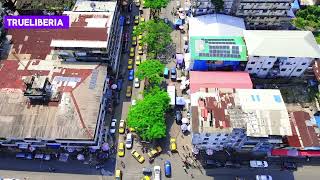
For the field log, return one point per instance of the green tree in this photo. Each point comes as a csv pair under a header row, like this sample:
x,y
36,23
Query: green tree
x,y
156,35
218,5
147,116
155,6
151,71
308,19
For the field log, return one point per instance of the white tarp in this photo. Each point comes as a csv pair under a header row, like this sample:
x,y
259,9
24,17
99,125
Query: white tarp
x,y
172,94
185,120
180,101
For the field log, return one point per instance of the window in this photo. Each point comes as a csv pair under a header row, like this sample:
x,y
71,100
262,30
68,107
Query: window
x,y
256,56
204,143
269,62
271,56
253,62
216,139
265,10
283,69
287,63
206,139
298,70
264,69
303,63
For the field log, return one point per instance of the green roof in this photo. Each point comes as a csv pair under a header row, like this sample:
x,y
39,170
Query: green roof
x,y
218,48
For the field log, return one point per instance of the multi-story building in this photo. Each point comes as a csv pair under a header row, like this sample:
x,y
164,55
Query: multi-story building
x,y
280,53
238,119
262,14
216,42
51,96
201,7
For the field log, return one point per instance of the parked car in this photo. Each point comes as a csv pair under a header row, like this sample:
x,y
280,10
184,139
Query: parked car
x,y
130,64
129,141
119,84
167,169
258,164
122,126
263,177
136,20
154,152
173,144
178,117
289,166
131,75
129,91
118,175
136,83
121,150
137,156
147,171
125,37
132,51
138,60
140,50
113,125
146,178
166,72
173,74
128,20
157,173
134,40
142,19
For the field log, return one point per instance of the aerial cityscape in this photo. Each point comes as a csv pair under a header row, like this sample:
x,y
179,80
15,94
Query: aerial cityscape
x,y
160,89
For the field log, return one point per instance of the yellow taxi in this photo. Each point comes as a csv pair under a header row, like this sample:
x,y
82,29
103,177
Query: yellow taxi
x,y
134,41
121,149
142,19
140,50
138,60
130,63
129,91
146,178
132,129
132,52
140,37
118,175
173,144
154,152
137,156
136,20
122,126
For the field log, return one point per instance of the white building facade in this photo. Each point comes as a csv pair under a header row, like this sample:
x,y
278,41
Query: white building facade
x,y
280,53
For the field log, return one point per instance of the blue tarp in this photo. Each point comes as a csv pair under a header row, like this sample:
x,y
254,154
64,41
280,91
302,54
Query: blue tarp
x,y
200,65
121,19
178,22
317,120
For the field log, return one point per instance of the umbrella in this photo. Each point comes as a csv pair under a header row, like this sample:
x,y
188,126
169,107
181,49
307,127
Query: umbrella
x,y
182,16
185,120
180,9
184,127
182,87
31,149
178,22
179,58
114,86
105,147
209,152
71,149
189,127
80,157
181,27
195,150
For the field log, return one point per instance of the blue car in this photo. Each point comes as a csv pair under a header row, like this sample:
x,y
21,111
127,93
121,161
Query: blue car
x,y
131,75
167,169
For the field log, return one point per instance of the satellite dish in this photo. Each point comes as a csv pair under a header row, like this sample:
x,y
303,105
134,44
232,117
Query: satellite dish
x,y
93,5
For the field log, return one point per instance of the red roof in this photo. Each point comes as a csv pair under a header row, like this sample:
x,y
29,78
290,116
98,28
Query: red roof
x,y
310,153
308,137
210,79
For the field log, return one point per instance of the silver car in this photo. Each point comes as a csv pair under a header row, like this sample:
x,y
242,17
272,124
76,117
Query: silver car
x,y
129,141
113,126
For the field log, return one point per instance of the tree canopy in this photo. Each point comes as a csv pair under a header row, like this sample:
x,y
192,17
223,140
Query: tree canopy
x,y
308,19
218,5
156,35
147,116
155,6
150,70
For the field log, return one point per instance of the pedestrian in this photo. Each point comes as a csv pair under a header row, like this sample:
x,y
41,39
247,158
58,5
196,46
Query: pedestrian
x,y
183,147
191,175
185,169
